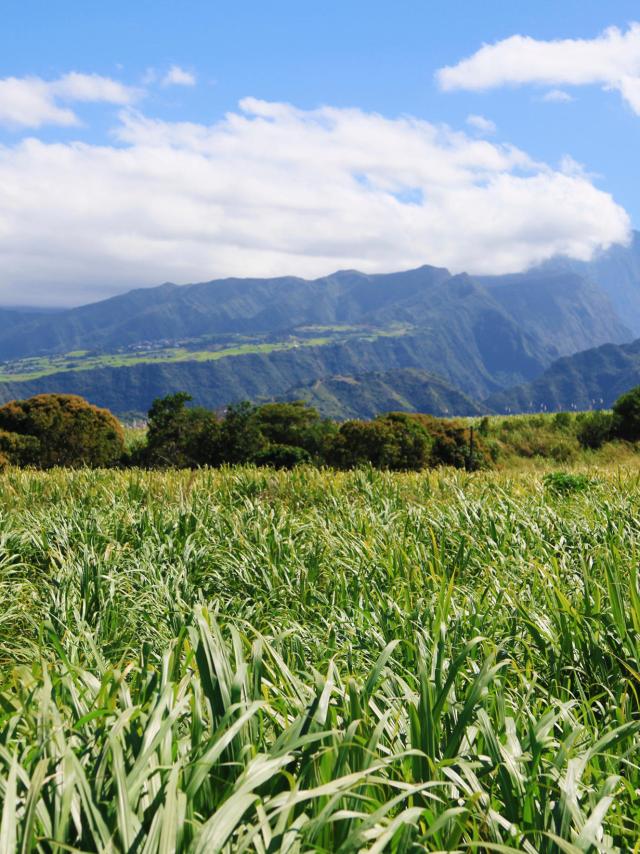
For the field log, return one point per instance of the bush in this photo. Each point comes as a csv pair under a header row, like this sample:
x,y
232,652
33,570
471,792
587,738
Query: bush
x,y
411,442
395,441
241,440
18,450
594,429
562,421
359,443
280,456
68,431
277,434
287,423
451,443
484,426
626,416
563,483
178,436
562,451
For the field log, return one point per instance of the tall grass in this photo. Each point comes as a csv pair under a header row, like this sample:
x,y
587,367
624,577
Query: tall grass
x,y
246,660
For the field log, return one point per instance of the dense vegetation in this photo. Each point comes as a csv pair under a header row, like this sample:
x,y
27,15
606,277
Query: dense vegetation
x,y
59,430
51,430
64,430
253,660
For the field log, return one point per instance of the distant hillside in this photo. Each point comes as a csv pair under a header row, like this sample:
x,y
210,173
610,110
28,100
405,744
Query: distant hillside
x,y
564,305
258,376
233,339
592,379
617,273
218,308
404,390
12,317
249,306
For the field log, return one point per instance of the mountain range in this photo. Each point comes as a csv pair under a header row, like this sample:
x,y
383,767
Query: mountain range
x,y
351,343
591,379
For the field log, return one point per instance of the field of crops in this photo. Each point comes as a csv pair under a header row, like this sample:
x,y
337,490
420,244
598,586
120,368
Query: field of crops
x,y
248,660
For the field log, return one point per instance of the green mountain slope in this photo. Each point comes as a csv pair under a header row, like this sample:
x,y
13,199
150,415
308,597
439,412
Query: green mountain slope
x,y
10,318
246,306
259,338
422,297
263,375
403,390
592,379
563,306
617,273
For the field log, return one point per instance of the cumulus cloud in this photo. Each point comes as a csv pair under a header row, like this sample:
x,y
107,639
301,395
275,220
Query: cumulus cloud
x,y
557,96
481,124
33,102
177,76
611,60
271,190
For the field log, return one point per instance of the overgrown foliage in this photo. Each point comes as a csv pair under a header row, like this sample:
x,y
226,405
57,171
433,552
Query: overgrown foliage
x,y
18,450
596,428
64,430
252,660
566,483
60,430
284,435
626,415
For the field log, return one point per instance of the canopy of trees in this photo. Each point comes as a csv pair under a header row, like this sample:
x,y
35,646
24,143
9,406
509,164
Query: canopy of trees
x,y
284,435
59,430
64,430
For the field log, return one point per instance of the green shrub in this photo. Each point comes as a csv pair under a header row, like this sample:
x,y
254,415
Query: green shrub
x,y
564,483
594,429
287,423
280,456
562,421
484,426
563,451
69,431
241,439
626,415
451,443
19,450
179,436
359,443
396,442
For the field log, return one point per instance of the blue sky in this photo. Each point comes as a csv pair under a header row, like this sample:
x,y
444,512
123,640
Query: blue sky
x,y
374,57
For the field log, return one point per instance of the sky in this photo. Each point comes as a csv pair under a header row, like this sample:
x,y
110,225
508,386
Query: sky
x,y
143,142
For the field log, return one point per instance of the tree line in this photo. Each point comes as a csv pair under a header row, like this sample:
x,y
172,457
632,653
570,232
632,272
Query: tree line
x,y
65,430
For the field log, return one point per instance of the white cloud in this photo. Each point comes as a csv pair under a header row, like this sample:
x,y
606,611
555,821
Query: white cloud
x,y
569,166
177,76
33,102
557,96
273,190
481,124
611,60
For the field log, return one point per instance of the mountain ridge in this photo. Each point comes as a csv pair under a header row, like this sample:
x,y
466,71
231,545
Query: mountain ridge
x,y
590,379
230,339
